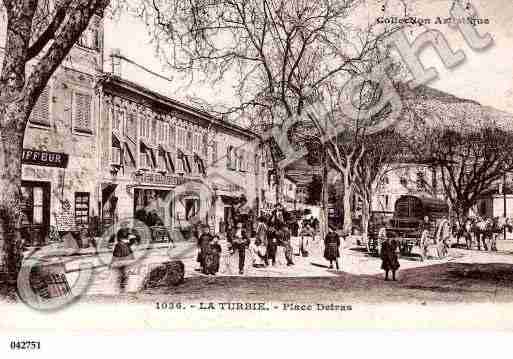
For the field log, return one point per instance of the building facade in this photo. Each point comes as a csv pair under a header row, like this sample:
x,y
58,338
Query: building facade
x,y
406,180
152,147
99,149
60,154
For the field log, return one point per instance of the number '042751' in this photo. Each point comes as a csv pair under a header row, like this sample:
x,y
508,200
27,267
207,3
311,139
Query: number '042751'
x,y
25,345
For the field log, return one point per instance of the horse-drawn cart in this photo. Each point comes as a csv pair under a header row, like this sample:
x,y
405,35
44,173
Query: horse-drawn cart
x,y
405,227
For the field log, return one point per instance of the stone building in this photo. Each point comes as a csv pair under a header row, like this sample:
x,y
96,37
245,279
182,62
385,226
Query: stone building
x,y
99,148
410,179
152,146
60,154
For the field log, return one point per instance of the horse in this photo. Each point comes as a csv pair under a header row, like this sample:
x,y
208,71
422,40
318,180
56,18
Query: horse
x,y
482,231
500,225
465,231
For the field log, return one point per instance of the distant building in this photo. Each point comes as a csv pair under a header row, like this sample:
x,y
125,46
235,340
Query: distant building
x,y
406,180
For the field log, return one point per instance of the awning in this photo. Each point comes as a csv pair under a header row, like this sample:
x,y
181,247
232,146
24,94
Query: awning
x,y
229,200
116,142
170,161
146,147
185,161
163,148
201,165
130,150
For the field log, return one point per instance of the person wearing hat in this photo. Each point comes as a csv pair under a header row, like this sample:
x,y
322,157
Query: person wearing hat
x,y
240,242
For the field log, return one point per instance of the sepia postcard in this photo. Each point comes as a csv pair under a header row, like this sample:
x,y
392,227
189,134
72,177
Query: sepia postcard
x,y
243,164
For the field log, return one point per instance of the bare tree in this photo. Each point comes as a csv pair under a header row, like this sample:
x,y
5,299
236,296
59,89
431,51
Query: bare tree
x,y
281,52
38,36
380,154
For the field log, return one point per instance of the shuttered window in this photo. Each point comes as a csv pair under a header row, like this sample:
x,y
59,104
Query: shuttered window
x,y
40,114
131,126
172,136
189,141
82,119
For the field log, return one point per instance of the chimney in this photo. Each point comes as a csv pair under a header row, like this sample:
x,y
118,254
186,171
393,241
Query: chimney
x,y
115,57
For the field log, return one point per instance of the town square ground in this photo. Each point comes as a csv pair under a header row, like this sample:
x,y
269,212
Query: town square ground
x,y
464,276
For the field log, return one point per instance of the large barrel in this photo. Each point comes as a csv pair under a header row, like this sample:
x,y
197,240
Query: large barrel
x,y
417,207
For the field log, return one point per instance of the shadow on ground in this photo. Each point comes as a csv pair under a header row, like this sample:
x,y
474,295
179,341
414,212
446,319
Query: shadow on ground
x,y
437,283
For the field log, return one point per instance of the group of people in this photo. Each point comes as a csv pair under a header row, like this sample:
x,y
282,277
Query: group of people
x,y
216,252
272,244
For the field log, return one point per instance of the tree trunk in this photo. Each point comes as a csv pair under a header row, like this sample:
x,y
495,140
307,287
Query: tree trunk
x,y
11,148
348,214
323,221
280,175
366,213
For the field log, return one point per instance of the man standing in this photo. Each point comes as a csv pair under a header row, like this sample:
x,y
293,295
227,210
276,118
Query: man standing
x,y
240,243
272,244
203,244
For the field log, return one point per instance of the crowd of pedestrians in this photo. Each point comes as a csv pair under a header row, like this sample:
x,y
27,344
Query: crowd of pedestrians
x,y
267,243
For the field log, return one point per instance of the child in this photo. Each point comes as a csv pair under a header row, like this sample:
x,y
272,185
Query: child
x,y
389,258
216,249
258,253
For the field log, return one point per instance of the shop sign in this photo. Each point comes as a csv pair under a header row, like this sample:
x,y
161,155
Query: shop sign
x,y
160,179
44,158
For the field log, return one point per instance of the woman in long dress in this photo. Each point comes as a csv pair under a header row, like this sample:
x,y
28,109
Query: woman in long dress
x,y
331,248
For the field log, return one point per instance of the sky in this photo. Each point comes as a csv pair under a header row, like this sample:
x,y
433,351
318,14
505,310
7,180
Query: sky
x,y
486,76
